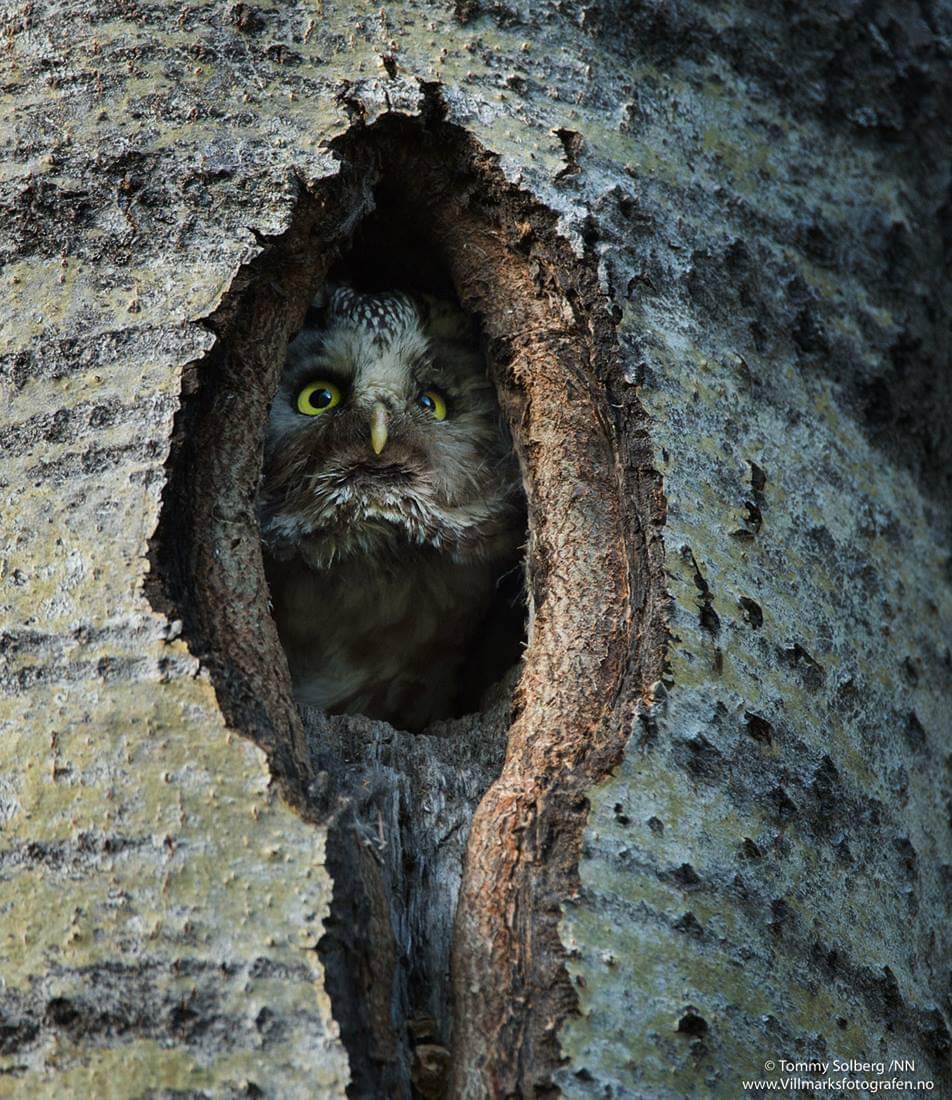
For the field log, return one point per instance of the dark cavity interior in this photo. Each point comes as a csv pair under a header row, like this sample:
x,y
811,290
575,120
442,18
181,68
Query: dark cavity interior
x,y
392,249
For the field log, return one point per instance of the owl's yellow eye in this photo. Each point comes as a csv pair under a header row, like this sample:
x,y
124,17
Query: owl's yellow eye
x,y
317,397
432,402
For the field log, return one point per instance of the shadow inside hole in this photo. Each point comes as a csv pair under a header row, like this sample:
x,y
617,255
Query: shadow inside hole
x,y
345,603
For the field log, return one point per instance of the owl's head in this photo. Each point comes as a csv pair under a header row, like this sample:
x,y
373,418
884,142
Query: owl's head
x,y
385,432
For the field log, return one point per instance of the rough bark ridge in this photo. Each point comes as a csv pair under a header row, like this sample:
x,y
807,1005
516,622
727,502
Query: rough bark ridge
x,y
761,192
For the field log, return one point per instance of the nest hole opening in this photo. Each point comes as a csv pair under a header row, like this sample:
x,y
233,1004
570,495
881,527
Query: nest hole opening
x,y
370,228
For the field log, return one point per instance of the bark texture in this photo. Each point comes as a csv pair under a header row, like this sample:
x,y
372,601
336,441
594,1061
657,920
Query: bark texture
x,y
709,245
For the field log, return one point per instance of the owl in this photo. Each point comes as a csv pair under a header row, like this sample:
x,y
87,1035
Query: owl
x,y
390,505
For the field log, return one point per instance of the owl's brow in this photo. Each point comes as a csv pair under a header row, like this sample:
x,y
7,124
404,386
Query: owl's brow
x,y
424,363
313,370
431,366
438,381
318,361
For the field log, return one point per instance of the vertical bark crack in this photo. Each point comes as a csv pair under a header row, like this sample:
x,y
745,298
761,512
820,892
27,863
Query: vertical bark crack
x,y
487,809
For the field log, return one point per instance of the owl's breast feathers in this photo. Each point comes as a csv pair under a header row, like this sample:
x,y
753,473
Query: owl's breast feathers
x,y
388,643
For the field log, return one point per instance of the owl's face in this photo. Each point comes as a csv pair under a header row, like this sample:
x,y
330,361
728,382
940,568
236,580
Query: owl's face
x,y
385,431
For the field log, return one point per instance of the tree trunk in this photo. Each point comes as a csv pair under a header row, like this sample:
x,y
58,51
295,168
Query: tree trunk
x,y
700,831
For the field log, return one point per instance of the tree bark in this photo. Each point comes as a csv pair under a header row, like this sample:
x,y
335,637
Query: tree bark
x,y
704,827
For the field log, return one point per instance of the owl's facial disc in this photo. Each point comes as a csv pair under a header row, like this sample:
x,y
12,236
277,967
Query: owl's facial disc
x,y
384,433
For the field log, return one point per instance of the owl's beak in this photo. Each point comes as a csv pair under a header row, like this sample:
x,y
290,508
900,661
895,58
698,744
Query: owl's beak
x,y
378,427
